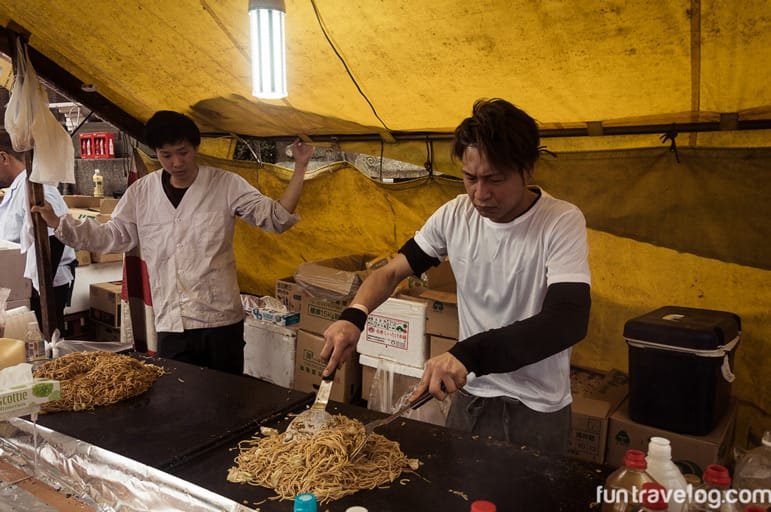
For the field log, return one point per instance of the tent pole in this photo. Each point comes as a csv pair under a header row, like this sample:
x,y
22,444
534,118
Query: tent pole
x,y
36,196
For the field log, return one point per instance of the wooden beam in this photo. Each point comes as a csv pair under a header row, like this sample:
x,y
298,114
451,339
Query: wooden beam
x,y
70,85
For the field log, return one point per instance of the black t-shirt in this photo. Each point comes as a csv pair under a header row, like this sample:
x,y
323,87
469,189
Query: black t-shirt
x,y
174,194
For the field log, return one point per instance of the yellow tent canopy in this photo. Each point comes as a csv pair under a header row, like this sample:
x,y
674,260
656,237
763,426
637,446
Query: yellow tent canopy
x,y
397,69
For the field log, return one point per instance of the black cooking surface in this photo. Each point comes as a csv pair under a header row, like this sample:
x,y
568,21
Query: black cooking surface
x,y
185,411
454,464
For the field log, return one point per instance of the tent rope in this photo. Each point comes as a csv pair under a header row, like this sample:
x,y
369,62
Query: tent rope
x,y
670,136
429,164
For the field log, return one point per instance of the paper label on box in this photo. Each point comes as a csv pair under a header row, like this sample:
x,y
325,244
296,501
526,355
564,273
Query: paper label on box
x,y
20,399
330,313
392,332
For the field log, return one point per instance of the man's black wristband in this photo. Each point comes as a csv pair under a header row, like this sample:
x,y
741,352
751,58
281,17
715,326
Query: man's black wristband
x,y
356,316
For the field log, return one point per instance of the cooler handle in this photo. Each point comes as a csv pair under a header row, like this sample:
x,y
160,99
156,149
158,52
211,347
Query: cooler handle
x,y
725,368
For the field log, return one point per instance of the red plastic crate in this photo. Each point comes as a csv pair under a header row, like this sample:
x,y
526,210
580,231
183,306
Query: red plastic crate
x,y
97,145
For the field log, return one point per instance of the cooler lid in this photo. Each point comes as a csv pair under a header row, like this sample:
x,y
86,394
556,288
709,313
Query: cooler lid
x,y
699,329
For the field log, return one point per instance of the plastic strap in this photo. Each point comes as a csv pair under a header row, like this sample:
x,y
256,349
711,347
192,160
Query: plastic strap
x,y
725,368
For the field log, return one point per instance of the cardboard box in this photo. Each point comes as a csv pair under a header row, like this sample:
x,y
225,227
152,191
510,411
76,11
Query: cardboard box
x,y
269,353
386,384
105,302
13,262
104,332
334,278
439,345
16,304
691,453
80,201
83,257
107,204
308,368
396,330
596,394
441,310
317,314
290,293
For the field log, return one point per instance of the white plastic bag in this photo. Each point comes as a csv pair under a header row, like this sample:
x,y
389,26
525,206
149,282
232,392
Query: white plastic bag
x,y
18,113
31,124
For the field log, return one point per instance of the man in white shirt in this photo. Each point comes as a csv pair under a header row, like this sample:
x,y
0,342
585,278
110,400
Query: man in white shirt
x,y
520,260
184,217
14,221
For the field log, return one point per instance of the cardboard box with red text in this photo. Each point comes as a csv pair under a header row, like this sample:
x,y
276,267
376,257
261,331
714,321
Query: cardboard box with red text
x,y
691,453
309,365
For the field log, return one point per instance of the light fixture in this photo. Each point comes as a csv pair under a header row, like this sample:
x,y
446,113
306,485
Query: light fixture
x,y
266,30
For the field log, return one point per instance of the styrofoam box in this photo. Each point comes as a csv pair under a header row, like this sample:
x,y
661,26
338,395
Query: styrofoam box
x,y
269,352
397,331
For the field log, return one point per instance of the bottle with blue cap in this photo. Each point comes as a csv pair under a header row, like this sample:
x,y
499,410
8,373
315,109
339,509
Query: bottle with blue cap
x,y
305,502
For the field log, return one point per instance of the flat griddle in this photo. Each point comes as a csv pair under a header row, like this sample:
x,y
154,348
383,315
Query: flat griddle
x,y
454,463
186,411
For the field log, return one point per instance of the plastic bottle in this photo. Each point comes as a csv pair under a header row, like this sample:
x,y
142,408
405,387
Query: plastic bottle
x,y
664,471
305,502
98,180
753,469
625,482
710,496
483,506
35,346
654,498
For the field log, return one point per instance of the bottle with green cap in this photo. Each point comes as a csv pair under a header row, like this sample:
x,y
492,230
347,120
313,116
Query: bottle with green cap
x,y
305,502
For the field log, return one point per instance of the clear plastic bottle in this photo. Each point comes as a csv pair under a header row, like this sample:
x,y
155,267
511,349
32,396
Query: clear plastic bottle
x,y
483,506
98,180
625,483
753,469
664,471
305,502
34,343
710,496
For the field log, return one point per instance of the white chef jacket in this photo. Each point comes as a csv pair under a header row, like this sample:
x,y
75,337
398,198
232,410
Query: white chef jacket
x,y
189,249
15,220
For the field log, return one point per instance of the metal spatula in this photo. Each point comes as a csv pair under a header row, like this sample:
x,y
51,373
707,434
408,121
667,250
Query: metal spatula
x,y
316,418
370,427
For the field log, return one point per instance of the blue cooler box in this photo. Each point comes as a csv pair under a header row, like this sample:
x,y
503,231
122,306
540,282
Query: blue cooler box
x,y
680,362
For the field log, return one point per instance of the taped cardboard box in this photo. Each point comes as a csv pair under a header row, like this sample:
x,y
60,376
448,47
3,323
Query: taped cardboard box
x,y
692,454
334,278
13,262
81,201
596,394
309,365
317,314
105,302
439,345
290,293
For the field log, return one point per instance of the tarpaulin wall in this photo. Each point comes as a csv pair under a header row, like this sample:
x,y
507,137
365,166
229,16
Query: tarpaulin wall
x,y
655,236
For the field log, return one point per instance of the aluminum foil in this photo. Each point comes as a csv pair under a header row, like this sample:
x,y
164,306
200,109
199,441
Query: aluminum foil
x,y
100,478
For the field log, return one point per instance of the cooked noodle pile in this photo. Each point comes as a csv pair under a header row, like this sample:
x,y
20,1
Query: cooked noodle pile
x,y
92,379
321,463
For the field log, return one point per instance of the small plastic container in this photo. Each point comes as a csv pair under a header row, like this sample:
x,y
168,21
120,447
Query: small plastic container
x,y
664,471
305,502
35,346
620,485
753,469
483,506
